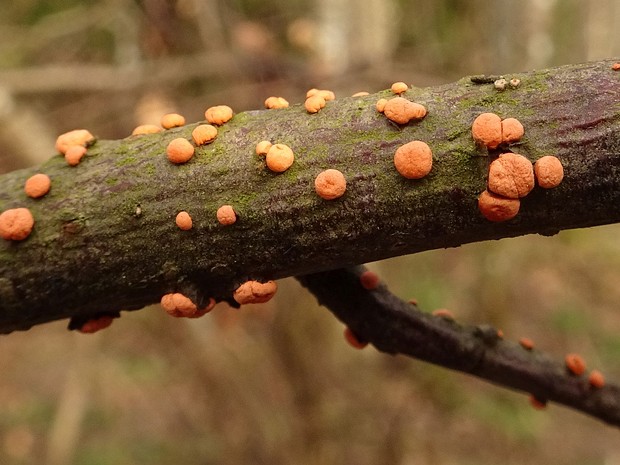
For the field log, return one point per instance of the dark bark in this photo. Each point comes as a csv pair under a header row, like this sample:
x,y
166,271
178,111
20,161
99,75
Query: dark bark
x,y
397,327
91,252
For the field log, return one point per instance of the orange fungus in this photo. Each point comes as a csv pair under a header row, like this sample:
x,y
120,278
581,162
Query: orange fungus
x,y
549,171
172,120
596,379
487,130
537,403
203,134
274,103
399,87
218,114
279,158
353,340
616,66
512,130
444,313
226,215
178,305
511,175
179,150
37,185
575,364
76,137
314,103
263,147
369,280
74,154
146,129
96,324
184,221
401,111
330,184
254,292
16,224
526,343
380,105
497,208
413,160
362,93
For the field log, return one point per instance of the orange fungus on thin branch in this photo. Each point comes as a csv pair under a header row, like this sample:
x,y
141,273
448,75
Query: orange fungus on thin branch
x,y
219,114
497,208
279,158
96,324
263,147
16,224
179,150
330,184
81,137
172,120
178,305
37,185
549,171
575,364
369,280
204,134
146,129
74,154
184,221
353,340
399,87
274,103
226,215
511,175
402,111
487,130
254,292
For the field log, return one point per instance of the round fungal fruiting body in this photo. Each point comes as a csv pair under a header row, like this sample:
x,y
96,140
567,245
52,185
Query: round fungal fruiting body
x,y
380,105
74,154
219,114
326,94
487,130
96,324
172,120
549,172
526,343
184,221
178,305
263,147
512,130
16,224
414,159
37,185
515,82
616,66
596,379
226,215
179,150
314,104
496,208
204,134
362,93
500,84
444,313
274,103
353,340
146,129
537,403
511,175
279,158
399,87
254,292
330,184
402,111
575,364
369,280
81,137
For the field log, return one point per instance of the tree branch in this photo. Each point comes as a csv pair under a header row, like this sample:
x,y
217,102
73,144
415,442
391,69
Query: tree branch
x,y
397,327
91,252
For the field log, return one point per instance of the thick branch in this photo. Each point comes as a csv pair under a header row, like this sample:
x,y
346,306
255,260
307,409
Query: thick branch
x,y
91,252
398,327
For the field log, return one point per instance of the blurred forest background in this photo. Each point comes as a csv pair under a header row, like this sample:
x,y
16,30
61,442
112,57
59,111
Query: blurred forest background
x,y
276,383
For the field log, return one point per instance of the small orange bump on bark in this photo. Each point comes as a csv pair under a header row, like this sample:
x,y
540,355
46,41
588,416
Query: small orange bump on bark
x,y
353,340
146,129
413,301
500,334
184,221
279,158
380,105
16,224
254,292
172,120
487,130
76,137
326,94
369,280
96,324
512,130
178,306
497,208
402,111
537,403
514,83
74,154
314,104
274,103
511,175
616,66
180,150
444,313
362,93
549,171
263,147
330,184
596,379
204,134
226,215
575,364
414,159
37,185
399,87
219,114
526,343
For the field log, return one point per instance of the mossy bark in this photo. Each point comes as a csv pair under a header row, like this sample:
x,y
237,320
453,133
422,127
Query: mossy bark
x,y
105,238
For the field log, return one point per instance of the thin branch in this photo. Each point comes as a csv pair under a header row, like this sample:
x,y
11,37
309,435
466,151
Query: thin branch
x,y
397,327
